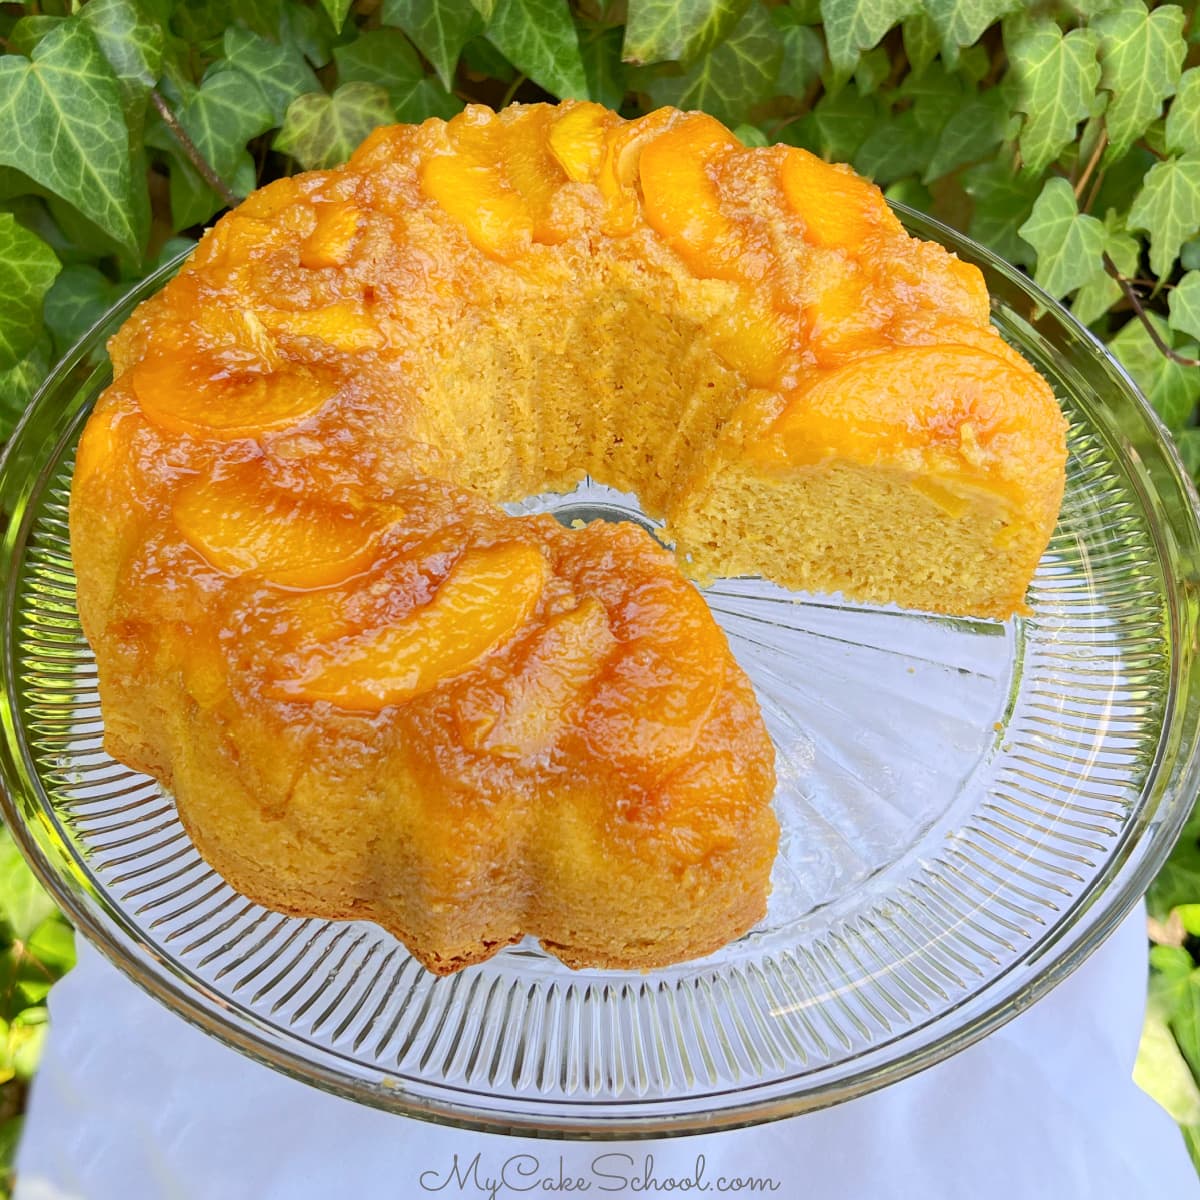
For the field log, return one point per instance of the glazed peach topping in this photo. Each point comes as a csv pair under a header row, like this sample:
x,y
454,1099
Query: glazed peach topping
x,y
225,375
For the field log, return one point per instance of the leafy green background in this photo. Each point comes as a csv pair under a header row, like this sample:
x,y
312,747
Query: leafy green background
x,y
1065,134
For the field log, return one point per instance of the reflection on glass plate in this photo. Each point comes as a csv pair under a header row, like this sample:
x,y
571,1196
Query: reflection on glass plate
x,y
967,809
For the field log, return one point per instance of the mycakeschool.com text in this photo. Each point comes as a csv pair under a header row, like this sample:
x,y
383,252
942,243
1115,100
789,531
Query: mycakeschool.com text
x,y
612,1172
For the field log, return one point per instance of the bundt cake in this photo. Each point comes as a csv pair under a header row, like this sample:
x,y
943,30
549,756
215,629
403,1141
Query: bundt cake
x,y
373,693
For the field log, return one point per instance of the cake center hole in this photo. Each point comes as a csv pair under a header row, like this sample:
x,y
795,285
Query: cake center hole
x,y
577,512
590,501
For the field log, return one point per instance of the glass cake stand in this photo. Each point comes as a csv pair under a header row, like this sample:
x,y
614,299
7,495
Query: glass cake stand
x,y
968,809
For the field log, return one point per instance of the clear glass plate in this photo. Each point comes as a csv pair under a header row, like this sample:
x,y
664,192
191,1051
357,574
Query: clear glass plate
x,y
968,809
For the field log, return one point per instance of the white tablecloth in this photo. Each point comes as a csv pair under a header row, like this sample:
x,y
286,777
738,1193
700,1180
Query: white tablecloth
x,y
131,1103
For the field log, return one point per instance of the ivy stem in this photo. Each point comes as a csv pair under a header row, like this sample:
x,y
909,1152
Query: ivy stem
x,y
1136,304
512,90
1081,183
190,148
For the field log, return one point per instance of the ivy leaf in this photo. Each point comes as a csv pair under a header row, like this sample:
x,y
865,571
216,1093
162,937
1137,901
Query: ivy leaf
x,y
303,28
481,60
426,98
806,12
961,23
842,121
220,117
440,29
337,10
973,131
921,41
323,131
200,21
601,50
677,30
893,149
731,80
27,269
53,945
1185,1021
1188,443
193,202
1172,390
61,113
1122,180
132,43
30,30
540,38
385,57
18,384
1161,1071
1069,244
1183,118
852,26
1002,200
1055,79
23,903
911,192
873,68
21,1049
1185,305
79,298
382,56
1141,54
936,95
1168,208
1098,295
280,72
802,60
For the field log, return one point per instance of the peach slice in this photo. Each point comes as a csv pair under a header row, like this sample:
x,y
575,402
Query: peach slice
x,y
331,241
487,597
839,208
494,216
618,170
529,167
241,522
522,714
660,685
681,201
752,341
842,320
98,446
197,394
342,325
940,403
577,139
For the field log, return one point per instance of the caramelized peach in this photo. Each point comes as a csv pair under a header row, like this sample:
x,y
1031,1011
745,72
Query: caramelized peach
x,y
838,207
488,596
681,201
660,683
331,241
618,170
97,446
241,522
493,215
199,395
342,326
577,138
532,170
522,714
955,401
842,319
752,341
